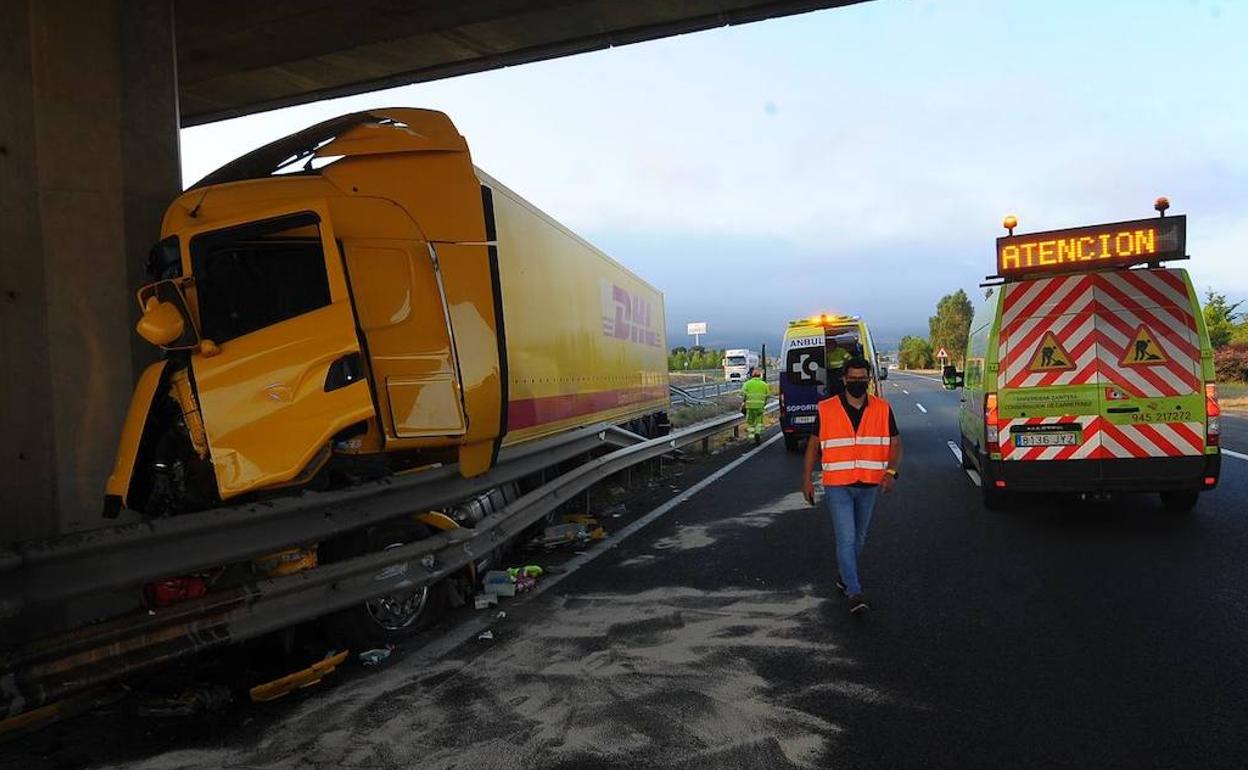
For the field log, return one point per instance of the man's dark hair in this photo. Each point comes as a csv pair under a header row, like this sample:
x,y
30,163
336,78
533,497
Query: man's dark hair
x,y
858,363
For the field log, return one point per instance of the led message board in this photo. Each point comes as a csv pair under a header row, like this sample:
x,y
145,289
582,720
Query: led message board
x,y
1090,248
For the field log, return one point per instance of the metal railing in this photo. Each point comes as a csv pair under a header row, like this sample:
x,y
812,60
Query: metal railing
x,y
57,666
703,392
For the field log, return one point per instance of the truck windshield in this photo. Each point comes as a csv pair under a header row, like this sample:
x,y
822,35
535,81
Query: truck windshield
x,y
734,361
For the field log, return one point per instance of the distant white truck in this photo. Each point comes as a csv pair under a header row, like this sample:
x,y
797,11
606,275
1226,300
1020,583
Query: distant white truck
x,y
738,363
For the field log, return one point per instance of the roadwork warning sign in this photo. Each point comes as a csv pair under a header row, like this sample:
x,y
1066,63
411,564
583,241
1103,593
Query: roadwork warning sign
x,y
1143,349
1050,356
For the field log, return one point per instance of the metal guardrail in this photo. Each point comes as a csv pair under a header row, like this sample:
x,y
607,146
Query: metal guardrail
x,y
702,393
59,666
41,572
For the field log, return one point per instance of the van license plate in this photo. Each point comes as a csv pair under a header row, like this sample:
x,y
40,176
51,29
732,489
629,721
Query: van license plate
x,y
1065,438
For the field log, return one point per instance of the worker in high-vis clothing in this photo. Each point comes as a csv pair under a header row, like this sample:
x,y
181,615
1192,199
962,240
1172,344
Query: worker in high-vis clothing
x,y
753,398
833,374
858,449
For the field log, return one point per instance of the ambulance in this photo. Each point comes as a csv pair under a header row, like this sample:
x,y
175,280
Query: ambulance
x,y
806,380
1089,368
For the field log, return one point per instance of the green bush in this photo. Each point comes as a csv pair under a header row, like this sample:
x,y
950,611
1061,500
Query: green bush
x,y
1231,362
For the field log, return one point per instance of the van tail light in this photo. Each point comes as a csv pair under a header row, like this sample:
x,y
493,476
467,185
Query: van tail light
x,y
992,431
1213,415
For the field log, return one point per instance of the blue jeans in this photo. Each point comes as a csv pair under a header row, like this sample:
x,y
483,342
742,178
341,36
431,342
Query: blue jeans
x,y
851,509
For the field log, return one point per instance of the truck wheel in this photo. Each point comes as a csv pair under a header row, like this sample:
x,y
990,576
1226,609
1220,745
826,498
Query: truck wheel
x,y
1182,501
388,619
792,443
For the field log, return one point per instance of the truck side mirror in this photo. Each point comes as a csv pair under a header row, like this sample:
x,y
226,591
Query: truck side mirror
x,y
166,322
951,378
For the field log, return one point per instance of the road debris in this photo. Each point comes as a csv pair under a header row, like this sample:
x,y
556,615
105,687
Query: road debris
x,y
196,700
484,601
486,636
376,656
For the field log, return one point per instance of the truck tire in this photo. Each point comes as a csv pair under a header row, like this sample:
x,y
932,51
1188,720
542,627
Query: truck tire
x,y
1179,501
792,443
388,619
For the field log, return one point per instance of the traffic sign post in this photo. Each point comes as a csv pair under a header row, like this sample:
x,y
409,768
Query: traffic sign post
x,y
942,355
696,330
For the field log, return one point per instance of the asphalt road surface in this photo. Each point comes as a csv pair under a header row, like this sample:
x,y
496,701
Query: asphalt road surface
x,y
1063,633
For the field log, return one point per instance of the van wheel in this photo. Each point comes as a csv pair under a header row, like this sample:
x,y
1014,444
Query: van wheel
x,y
792,443
1179,502
388,619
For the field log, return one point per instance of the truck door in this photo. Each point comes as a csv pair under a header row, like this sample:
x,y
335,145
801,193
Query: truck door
x,y
1049,378
283,371
1153,402
403,313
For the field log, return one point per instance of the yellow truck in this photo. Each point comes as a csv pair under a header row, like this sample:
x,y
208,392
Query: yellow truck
x,y
358,299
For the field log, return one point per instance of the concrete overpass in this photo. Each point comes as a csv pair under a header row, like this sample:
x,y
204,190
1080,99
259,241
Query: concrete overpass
x,y
94,92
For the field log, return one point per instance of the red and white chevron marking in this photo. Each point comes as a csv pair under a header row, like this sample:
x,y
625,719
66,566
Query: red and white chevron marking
x,y
1063,305
1095,317
1174,439
1156,300
1102,440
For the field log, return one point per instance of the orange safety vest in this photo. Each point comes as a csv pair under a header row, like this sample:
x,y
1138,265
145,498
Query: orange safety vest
x,y
849,457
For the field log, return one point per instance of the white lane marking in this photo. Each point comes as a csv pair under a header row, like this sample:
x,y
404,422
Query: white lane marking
x,y
920,376
1236,455
903,390
439,648
921,408
971,472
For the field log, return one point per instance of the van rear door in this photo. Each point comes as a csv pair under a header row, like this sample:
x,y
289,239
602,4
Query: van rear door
x,y
1152,399
1049,379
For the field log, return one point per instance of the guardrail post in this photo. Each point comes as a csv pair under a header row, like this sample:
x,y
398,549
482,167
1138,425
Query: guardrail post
x,y
706,445
736,432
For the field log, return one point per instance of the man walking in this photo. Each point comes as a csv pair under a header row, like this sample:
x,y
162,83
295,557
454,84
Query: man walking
x,y
859,449
753,398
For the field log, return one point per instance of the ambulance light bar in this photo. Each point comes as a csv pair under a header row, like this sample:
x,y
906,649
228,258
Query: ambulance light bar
x,y
825,319
1116,244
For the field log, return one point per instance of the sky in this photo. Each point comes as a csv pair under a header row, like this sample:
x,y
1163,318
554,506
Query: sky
x,y
859,159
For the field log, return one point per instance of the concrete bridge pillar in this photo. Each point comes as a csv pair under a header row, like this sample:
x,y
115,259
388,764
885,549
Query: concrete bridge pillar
x,y
88,162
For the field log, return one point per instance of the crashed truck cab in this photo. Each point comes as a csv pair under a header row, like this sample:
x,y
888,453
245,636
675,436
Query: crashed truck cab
x,y
285,363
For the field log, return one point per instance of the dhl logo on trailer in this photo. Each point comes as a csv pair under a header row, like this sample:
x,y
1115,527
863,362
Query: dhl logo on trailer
x,y
1104,363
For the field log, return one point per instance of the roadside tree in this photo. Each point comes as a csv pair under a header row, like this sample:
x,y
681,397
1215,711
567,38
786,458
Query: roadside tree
x,y
915,353
950,326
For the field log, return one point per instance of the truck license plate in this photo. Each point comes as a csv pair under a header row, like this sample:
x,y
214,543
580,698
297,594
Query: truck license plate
x,y
1065,438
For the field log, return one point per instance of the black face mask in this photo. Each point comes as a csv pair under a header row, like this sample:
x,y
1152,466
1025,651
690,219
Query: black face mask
x,y
856,389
